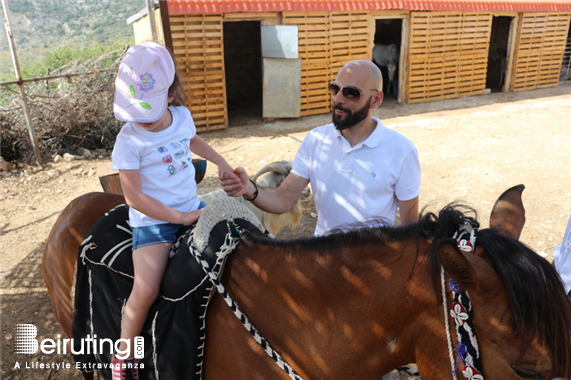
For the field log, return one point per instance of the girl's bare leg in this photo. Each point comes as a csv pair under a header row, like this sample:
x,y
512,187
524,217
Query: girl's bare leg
x,y
150,263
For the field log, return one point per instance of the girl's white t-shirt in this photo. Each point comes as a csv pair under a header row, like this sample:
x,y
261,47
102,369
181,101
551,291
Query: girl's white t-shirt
x,y
164,161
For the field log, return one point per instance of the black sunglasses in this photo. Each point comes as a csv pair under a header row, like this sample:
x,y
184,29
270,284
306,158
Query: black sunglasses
x,y
350,93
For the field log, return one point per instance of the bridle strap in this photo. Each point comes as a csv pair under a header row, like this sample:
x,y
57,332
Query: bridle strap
x,y
461,311
446,321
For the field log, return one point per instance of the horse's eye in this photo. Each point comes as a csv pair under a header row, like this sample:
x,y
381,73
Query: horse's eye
x,y
526,373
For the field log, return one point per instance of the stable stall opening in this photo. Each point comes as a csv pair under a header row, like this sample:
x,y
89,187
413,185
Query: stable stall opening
x,y
498,53
386,52
565,73
243,71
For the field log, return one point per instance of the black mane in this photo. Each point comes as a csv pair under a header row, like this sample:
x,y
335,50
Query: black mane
x,y
536,294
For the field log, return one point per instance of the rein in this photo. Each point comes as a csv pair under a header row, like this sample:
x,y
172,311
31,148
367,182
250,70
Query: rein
x,y
461,312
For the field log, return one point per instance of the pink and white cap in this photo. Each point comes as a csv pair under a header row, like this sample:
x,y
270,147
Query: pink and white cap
x,y
141,87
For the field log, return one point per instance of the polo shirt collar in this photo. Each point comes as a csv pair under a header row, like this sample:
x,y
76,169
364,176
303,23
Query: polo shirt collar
x,y
372,141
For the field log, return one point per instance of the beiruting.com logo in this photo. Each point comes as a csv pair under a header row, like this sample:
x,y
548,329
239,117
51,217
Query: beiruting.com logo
x,y
26,343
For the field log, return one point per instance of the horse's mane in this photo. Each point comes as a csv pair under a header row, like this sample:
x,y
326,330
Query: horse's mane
x,y
536,294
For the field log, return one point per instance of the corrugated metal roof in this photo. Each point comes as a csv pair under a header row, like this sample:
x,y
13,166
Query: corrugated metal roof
x,y
253,6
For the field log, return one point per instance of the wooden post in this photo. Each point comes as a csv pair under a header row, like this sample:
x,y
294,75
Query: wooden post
x,y
151,15
8,25
163,6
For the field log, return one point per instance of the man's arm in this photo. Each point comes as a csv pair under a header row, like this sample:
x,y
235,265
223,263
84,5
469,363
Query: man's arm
x,y
408,211
276,201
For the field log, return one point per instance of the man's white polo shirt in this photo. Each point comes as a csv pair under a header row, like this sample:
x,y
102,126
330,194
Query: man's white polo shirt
x,y
360,183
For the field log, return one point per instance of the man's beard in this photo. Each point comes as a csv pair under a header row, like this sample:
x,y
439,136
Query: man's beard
x,y
352,118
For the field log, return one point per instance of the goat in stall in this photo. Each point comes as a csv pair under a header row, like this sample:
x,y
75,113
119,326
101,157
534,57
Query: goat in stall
x,y
275,174
387,56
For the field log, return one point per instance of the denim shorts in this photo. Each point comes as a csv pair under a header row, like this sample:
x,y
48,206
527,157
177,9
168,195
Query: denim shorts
x,y
159,233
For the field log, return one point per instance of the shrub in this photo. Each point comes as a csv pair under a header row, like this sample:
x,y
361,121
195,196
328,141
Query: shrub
x,y
67,113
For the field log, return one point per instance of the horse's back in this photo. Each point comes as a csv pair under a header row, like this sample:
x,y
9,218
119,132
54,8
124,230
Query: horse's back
x,y
383,54
60,253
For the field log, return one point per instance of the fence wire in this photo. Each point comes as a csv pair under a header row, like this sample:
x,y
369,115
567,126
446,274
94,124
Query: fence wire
x,y
67,113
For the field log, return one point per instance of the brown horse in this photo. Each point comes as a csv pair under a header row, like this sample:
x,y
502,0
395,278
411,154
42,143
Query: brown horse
x,y
60,253
355,305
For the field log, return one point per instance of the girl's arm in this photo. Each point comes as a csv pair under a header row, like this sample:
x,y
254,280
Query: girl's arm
x,y
131,184
200,147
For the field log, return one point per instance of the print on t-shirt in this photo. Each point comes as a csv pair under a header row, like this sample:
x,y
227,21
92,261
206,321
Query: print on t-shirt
x,y
175,162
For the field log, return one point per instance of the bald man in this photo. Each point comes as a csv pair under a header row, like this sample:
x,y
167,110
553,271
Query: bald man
x,y
359,170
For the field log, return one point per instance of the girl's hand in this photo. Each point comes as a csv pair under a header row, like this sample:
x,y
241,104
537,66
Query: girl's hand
x,y
225,168
190,217
235,184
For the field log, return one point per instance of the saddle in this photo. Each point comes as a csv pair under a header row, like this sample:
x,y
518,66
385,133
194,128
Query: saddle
x,y
174,332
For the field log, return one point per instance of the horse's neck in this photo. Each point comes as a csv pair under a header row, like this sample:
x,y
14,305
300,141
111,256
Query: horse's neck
x,y
357,300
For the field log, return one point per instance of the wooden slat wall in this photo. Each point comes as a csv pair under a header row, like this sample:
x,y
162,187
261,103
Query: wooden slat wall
x,y
327,41
314,51
199,55
350,39
539,51
448,55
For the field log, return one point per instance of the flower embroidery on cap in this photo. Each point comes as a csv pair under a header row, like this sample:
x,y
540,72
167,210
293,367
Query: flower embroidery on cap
x,y
147,82
470,373
458,312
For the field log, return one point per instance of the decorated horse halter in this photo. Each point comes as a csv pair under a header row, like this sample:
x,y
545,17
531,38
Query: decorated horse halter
x,y
461,312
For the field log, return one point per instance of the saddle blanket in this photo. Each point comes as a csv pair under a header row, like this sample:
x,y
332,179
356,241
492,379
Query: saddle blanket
x,y
174,332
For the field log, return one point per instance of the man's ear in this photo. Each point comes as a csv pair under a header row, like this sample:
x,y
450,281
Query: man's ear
x,y
377,100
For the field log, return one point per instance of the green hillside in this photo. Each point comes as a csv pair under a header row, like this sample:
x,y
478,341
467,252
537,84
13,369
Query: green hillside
x,y
44,28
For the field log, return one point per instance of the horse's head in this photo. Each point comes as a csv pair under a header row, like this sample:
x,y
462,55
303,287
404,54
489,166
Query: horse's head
x,y
392,69
521,314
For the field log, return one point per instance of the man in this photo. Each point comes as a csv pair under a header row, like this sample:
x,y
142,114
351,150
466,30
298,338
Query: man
x,y
358,168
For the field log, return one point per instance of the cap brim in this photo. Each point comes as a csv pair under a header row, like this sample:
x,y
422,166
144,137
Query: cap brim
x,y
144,110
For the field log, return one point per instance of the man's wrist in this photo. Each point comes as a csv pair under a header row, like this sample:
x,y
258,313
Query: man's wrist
x,y
254,194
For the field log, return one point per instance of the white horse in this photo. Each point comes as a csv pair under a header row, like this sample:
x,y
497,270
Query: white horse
x,y
387,56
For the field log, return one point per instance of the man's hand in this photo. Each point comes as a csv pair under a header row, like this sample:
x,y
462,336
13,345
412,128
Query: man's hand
x,y
236,184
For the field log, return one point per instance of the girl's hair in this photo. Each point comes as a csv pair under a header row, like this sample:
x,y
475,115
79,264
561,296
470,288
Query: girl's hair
x,y
177,85
180,95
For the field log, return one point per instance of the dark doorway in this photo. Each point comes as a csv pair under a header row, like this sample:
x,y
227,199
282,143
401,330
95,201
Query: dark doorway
x,y
387,32
565,73
498,53
243,71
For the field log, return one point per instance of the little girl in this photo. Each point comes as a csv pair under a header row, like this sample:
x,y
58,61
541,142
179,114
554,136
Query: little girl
x,y
153,154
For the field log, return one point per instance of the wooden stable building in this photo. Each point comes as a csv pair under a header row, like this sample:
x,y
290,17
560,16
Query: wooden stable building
x,y
224,49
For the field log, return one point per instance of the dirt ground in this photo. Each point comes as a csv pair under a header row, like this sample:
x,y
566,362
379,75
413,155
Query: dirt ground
x,y
470,149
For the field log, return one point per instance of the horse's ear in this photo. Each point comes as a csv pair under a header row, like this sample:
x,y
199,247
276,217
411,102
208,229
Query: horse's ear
x,y
508,214
456,264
